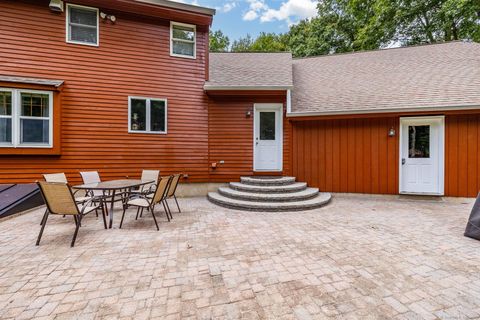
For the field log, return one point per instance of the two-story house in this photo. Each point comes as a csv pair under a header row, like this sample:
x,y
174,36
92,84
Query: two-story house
x,y
123,85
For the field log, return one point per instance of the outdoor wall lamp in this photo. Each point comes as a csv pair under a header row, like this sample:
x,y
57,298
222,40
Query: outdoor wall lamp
x,y
391,132
104,16
248,114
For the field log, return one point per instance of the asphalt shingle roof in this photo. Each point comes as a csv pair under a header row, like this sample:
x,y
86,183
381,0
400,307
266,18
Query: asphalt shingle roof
x,y
429,77
250,71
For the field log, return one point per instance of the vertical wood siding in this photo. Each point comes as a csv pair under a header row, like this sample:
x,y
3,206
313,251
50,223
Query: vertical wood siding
x,y
462,146
356,155
346,155
231,136
132,59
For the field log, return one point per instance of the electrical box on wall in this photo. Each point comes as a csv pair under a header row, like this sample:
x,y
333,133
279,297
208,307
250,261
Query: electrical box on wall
x,y
56,5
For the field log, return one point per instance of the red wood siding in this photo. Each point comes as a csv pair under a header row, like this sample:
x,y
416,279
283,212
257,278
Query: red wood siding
x,y
346,155
132,60
356,155
462,146
231,136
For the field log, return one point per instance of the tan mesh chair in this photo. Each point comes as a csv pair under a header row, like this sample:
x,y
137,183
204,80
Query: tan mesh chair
x,y
60,201
148,175
61,178
89,177
172,189
142,201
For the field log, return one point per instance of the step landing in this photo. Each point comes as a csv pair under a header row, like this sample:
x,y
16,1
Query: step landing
x,y
269,194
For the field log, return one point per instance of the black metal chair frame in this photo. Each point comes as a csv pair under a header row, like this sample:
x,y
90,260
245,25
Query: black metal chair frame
x,y
77,217
173,194
151,203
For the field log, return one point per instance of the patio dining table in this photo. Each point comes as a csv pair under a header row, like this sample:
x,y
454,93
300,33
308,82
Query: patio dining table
x,y
114,188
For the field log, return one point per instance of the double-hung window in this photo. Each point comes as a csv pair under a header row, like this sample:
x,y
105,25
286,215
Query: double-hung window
x,y
26,118
182,40
147,115
82,25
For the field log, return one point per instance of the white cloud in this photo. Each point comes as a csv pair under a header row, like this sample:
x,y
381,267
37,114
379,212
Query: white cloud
x,y
227,7
254,8
250,15
299,9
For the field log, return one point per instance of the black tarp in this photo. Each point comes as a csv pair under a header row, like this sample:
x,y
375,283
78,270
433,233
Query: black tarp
x,y
473,226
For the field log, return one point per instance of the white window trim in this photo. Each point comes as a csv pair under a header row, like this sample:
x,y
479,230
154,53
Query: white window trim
x,y
67,26
16,116
194,27
147,115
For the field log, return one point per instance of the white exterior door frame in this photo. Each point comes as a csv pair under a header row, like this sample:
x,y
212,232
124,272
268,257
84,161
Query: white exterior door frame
x,y
268,154
415,176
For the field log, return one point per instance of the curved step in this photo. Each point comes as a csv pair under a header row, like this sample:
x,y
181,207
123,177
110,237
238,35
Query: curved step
x,y
319,201
268,197
294,187
267,181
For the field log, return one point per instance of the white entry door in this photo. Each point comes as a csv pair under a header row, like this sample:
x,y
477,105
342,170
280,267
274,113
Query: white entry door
x,y
268,137
422,155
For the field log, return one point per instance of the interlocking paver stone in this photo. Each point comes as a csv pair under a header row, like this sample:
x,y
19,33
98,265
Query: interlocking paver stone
x,y
358,258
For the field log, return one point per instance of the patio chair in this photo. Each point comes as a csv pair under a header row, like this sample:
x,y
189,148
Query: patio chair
x,y
148,175
59,199
142,201
61,178
172,189
89,177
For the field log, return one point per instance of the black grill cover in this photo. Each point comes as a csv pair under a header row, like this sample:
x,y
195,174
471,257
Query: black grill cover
x,y
473,225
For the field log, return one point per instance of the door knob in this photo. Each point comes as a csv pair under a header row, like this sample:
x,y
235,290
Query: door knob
x,y
403,161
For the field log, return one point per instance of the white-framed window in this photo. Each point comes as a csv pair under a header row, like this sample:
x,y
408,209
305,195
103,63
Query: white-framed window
x,y
147,115
26,118
183,40
82,25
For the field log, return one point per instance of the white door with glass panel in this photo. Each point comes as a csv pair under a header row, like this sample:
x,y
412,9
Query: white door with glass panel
x,y
422,155
268,137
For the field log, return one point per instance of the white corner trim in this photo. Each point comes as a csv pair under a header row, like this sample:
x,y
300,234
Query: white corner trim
x,y
289,101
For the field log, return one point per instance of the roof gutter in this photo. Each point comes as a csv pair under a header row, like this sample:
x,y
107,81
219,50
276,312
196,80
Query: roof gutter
x,y
244,88
389,110
180,6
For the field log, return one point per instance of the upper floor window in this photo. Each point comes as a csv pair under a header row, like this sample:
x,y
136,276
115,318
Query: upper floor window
x,y
25,118
82,25
147,115
182,40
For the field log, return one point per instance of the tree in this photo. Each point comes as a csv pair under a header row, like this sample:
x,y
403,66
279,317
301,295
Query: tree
x,y
242,44
218,42
269,42
351,25
265,42
429,21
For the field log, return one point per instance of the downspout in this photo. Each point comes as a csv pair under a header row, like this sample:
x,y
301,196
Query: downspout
x,y
289,101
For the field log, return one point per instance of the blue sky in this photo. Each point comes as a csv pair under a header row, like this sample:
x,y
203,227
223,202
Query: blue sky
x,y
237,18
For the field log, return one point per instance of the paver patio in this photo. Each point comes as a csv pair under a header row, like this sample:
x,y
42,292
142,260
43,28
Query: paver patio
x,y
360,257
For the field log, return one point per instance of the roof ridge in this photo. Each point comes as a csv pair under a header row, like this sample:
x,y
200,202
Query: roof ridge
x,y
388,49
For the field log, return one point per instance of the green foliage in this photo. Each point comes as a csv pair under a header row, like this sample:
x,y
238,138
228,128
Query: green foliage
x,y
265,42
218,41
242,44
352,25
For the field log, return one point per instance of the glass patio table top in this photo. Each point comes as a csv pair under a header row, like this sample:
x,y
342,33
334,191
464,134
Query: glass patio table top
x,y
113,184
110,189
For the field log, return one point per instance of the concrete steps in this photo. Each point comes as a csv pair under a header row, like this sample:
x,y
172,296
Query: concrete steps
x,y
294,187
269,194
